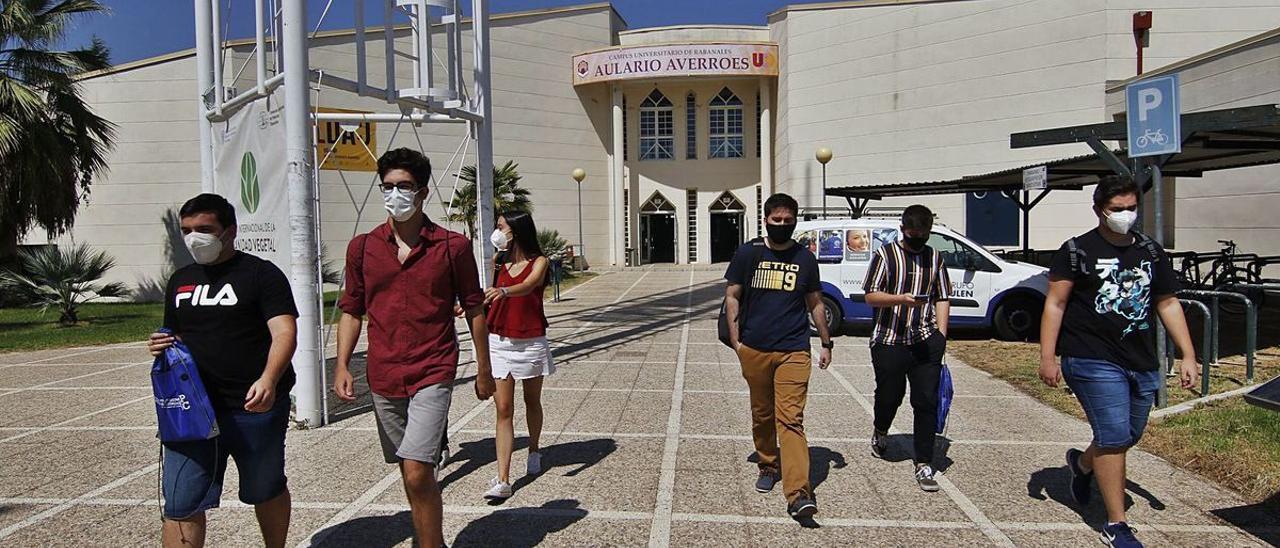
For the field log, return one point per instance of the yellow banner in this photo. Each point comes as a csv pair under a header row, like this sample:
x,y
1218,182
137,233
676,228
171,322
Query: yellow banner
x,y
344,138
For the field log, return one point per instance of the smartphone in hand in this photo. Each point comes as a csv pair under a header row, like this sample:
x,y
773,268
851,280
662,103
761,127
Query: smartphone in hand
x,y
921,298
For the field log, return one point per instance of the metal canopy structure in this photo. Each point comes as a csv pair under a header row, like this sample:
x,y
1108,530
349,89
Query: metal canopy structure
x,y
1213,140
436,92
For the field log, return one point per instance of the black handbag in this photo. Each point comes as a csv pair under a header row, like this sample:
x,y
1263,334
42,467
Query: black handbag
x,y
722,324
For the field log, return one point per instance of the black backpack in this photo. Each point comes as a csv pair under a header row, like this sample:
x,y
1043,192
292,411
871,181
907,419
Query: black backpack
x,y
722,324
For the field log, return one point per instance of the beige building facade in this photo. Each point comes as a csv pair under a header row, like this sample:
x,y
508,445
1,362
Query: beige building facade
x,y
683,131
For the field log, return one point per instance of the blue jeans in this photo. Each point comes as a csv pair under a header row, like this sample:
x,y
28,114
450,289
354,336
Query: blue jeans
x,y
1116,400
193,470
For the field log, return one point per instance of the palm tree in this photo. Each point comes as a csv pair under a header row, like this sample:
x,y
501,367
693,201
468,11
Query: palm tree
x,y
52,145
65,278
507,195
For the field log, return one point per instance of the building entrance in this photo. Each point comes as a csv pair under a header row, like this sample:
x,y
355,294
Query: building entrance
x,y
657,230
727,216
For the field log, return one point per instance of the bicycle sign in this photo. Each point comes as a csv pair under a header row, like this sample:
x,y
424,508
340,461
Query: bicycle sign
x,y
1151,137
1154,114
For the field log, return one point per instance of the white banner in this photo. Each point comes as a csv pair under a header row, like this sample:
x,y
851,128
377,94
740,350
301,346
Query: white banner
x,y
249,171
643,62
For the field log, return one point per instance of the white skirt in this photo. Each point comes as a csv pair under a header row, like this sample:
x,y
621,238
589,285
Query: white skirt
x,y
520,358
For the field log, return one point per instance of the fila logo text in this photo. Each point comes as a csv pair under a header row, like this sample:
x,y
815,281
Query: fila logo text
x,y
198,295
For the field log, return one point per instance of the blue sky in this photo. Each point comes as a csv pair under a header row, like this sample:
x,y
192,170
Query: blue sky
x,y
137,29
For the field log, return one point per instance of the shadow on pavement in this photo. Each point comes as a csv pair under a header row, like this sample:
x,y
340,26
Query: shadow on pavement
x,y
821,461
522,527
580,455
901,450
1055,484
368,531
519,527
1260,520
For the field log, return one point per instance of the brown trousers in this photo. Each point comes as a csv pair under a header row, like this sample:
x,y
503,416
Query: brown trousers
x,y
779,386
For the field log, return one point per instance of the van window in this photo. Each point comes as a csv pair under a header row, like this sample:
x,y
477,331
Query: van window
x,y
958,255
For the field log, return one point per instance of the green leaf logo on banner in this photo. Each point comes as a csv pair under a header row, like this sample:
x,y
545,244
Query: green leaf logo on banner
x,y
249,193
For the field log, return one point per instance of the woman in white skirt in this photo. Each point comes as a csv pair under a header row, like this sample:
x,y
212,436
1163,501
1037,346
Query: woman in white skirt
x,y
518,348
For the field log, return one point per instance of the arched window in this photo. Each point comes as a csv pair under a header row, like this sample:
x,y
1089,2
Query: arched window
x,y
726,125
657,128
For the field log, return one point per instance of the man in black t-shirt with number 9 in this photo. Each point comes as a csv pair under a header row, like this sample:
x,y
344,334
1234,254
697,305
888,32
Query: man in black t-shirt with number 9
x,y
774,286
1103,289
236,314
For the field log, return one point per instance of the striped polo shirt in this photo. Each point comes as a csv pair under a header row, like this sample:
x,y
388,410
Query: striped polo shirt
x,y
895,270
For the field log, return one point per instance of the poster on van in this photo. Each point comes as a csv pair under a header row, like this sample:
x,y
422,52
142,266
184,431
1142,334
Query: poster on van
x,y
883,236
857,245
808,239
830,246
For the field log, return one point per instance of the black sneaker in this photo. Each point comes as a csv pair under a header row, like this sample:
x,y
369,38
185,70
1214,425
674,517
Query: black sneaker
x,y
1081,483
802,508
879,444
768,478
925,477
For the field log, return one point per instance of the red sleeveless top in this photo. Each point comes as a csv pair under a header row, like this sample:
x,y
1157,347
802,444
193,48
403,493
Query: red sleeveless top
x,y
517,317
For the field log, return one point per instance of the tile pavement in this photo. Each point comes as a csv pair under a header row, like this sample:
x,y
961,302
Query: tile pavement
x,y
646,442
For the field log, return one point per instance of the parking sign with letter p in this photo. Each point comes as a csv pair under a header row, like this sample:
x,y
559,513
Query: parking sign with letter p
x,y
1154,117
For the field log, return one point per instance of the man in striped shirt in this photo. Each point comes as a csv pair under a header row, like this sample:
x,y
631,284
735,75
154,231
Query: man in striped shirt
x,y
907,284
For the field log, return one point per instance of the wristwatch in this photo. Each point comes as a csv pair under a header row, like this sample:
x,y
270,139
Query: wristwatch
x,y
829,345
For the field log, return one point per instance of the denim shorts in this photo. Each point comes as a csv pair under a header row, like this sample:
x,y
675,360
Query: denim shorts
x,y
1116,400
193,470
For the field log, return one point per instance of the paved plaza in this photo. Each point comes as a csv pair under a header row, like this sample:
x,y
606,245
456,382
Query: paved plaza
x,y
647,441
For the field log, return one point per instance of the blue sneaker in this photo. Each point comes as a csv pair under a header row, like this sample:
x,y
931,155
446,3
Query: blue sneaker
x,y
1119,535
1081,483
768,478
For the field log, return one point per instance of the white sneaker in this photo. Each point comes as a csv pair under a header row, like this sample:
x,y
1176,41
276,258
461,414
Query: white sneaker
x,y
534,465
445,453
498,490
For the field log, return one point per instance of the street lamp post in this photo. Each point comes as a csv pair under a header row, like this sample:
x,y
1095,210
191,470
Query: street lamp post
x,y
579,175
823,155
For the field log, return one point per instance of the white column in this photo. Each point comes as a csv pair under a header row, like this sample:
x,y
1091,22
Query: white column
x,y
617,184
484,133
304,273
204,81
766,145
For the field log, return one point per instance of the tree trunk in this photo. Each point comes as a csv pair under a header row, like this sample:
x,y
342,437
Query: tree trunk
x,y
8,244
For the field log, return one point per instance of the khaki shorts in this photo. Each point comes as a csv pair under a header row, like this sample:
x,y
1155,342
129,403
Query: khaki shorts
x,y
412,428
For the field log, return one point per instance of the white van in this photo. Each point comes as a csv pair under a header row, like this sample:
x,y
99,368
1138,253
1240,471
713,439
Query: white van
x,y
986,291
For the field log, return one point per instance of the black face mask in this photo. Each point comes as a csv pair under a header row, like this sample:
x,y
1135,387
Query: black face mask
x,y
915,243
780,234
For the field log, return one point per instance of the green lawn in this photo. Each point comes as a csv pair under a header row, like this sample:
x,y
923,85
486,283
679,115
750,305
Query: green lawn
x,y
108,323
100,323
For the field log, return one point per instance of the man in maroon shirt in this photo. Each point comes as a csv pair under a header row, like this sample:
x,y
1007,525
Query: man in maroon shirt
x,y
406,275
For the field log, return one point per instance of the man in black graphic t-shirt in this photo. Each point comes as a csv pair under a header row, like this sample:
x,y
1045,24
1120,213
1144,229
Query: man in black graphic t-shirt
x,y
1106,288
236,314
774,287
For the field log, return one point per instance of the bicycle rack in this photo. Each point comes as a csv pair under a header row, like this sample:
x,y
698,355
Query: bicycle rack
x,y
1204,352
557,272
1250,324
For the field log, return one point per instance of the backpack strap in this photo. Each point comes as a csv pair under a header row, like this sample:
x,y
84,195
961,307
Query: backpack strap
x,y
1148,244
1077,257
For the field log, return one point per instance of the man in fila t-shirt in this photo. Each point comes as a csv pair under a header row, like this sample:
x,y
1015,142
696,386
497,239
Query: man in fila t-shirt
x,y
236,314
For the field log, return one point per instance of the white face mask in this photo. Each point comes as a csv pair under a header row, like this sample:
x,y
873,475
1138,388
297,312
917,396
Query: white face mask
x,y
1121,221
399,203
498,238
205,248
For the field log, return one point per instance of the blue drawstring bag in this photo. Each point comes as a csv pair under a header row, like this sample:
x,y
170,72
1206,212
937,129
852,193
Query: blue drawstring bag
x,y
945,392
183,409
